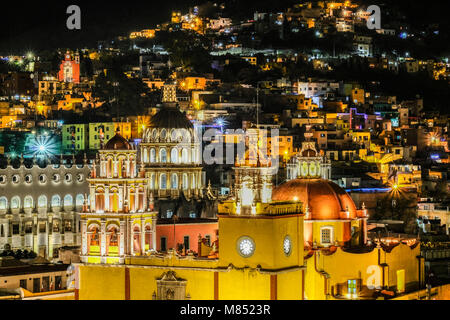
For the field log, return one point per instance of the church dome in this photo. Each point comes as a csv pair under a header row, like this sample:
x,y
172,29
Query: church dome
x,y
170,117
117,143
325,199
309,153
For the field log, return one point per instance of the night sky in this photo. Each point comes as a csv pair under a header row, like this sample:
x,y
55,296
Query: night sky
x,y
37,25
31,26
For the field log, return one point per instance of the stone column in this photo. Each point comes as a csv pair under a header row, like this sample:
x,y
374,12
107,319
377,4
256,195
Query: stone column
x,y
142,236
154,233
123,234
84,238
103,238
107,209
131,236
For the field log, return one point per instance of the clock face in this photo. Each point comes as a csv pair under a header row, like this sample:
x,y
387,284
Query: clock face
x,y
287,245
246,247
312,169
304,169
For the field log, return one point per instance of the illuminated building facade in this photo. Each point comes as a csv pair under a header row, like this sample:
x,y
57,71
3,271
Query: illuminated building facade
x,y
70,69
38,206
120,220
308,241
170,154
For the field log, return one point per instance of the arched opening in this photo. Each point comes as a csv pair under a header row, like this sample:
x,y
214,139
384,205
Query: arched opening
x,y
174,181
93,236
112,239
109,168
148,237
152,155
140,200
163,155
113,200
145,155
28,202
136,239
68,202
42,201
56,201
185,181
100,200
3,203
15,203
163,181
174,155
184,156
79,201
153,181
132,204
246,193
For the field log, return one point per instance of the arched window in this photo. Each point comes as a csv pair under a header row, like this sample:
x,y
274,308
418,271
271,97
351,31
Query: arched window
x,y
185,181
174,155
163,134
113,237
163,181
94,239
152,181
28,202
154,134
145,155
192,181
15,202
184,156
174,135
246,194
163,155
152,155
79,200
42,201
68,201
174,181
3,203
56,201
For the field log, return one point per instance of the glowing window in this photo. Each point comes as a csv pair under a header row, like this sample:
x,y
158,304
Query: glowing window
x,y
42,201
174,155
326,235
15,203
56,201
152,155
163,156
174,181
163,181
3,203
28,202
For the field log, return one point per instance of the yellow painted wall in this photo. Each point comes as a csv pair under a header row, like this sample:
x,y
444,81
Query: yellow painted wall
x,y
101,283
289,285
343,266
268,235
244,284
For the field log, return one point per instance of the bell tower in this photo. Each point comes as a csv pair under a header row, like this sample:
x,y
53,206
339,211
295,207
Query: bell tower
x,y
120,220
309,164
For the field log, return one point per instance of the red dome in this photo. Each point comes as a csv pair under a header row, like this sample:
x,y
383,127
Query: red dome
x,y
324,199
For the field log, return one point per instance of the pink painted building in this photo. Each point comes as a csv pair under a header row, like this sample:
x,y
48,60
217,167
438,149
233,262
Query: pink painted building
x,y
186,231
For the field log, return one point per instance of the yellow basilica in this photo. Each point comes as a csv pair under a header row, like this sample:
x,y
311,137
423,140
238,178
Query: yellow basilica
x,y
303,239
